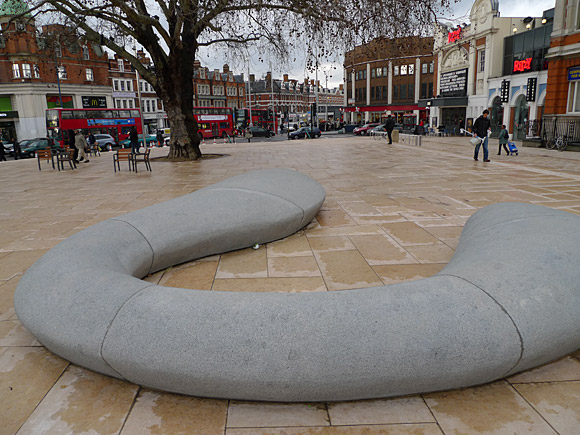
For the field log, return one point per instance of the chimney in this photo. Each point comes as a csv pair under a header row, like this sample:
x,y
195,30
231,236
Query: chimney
x,y
341,87
252,77
268,76
196,64
226,68
312,82
285,78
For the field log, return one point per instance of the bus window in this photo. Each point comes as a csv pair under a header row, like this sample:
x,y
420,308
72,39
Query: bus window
x,y
107,114
135,114
224,125
126,130
66,114
115,113
124,113
93,114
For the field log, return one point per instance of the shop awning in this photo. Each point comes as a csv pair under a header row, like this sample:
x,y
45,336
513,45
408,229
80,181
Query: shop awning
x,y
392,108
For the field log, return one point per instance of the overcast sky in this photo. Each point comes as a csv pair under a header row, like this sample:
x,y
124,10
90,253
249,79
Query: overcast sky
x,y
297,69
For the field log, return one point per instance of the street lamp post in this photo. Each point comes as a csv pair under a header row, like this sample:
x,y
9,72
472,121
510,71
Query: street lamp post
x,y
139,97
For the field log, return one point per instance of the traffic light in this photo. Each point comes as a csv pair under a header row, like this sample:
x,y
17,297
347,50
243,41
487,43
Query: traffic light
x,y
313,110
531,91
505,91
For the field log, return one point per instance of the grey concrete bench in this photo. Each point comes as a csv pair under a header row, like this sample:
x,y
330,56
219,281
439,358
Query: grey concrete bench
x,y
509,300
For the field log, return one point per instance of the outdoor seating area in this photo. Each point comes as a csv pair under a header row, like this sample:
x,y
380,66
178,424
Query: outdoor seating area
x,y
392,215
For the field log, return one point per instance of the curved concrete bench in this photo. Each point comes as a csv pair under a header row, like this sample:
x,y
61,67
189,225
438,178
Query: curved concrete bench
x,y
509,300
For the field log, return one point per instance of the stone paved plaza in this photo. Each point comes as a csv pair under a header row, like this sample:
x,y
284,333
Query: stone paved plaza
x,y
393,213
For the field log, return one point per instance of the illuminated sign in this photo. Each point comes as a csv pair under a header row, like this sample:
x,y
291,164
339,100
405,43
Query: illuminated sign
x,y
454,36
523,65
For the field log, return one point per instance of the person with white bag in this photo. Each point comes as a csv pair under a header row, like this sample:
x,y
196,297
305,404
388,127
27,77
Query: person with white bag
x,y
481,127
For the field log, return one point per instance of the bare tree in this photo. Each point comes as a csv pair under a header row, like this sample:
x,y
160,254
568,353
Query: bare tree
x,y
172,31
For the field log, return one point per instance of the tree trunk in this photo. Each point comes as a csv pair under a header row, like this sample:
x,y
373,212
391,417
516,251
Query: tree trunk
x,y
175,83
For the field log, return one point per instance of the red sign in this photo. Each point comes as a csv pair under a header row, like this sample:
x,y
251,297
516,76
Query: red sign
x,y
523,65
454,36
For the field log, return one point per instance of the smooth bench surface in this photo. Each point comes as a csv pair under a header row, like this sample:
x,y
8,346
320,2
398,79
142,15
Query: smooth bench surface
x,y
509,300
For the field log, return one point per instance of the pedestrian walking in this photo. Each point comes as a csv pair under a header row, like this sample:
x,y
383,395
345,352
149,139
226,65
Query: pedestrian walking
x,y
249,134
2,152
92,141
504,138
389,126
17,149
80,145
134,139
159,138
71,145
481,126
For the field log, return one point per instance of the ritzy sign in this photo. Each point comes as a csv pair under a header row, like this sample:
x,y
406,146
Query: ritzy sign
x,y
454,36
523,65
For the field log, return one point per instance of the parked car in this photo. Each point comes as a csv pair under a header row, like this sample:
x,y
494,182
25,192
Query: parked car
x,y
150,140
30,148
365,129
303,132
105,142
261,132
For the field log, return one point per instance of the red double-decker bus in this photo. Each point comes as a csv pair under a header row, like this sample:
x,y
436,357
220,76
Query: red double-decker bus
x,y
214,121
116,122
260,118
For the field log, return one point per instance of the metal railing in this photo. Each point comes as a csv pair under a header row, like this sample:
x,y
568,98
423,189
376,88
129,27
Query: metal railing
x,y
560,127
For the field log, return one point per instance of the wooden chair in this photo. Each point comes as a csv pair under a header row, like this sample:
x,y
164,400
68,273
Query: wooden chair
x,y
121,155
45,154
65,156
142,158
94,150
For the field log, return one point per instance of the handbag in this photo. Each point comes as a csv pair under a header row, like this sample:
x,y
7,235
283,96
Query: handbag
x,y
475,141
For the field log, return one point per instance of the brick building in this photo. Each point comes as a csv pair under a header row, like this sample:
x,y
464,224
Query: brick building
x,y
218,89
388,76
293,100
32,66
562,106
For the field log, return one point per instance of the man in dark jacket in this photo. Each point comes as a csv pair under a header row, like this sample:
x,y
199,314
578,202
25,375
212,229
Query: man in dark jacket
x,y
389,126
481,126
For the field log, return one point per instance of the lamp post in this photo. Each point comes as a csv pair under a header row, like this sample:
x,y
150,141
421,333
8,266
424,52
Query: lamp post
x,y
139,96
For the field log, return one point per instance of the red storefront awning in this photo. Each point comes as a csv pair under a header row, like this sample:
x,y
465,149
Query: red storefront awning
x,y
393,108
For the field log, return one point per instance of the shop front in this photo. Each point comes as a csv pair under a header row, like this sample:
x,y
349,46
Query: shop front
x,y
403,114
8,119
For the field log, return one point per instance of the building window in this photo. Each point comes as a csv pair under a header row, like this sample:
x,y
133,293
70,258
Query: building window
x,y
121,65
148,106
424,68
385,71
432,67
62,72
16,70
574,97
26,71
411,94
58,50
384,92
395,92
403,92
86,52
364,74
129,86
89,72
373,73
411,69
379,72
36,72
396,70
424,88
430,94
125,104
481,66
116,85
372,93
403,71
140,86
122,85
